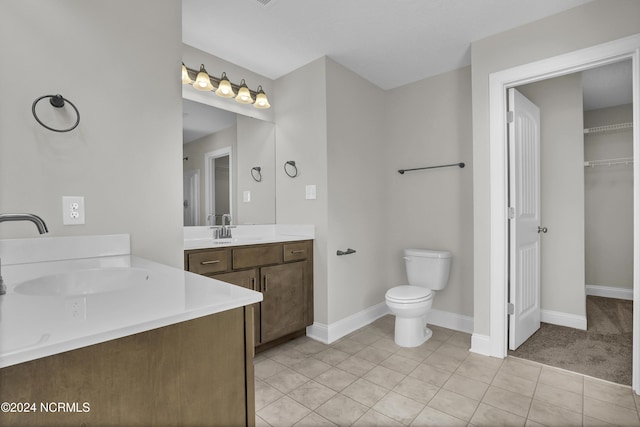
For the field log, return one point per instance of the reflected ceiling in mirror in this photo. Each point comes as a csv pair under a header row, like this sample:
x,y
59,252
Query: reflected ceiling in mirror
x,y
199,120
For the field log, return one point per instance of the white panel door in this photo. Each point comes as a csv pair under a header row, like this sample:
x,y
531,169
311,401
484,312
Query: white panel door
x,y
524,223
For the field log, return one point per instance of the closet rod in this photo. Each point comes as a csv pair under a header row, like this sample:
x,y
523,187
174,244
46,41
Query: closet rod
x,y
402,171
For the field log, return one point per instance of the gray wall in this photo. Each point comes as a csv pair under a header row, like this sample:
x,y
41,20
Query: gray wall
x,y
125,157
561,193
594,23
351,148
301,134
609,201
429,123
357,177
255,147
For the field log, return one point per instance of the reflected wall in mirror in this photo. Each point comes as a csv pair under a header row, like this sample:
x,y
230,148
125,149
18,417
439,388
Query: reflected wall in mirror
x,y
219,150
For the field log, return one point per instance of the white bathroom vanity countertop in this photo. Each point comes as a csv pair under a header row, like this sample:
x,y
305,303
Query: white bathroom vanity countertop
x,y
37,325
202,237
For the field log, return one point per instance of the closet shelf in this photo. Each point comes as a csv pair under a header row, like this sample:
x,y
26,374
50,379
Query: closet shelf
x,y
610,162
608,128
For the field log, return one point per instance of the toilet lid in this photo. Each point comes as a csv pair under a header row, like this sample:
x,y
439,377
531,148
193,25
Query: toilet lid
x,y
408,293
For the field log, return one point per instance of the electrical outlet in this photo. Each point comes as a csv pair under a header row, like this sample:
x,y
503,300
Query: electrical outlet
x,y
76,309
73,210
310,192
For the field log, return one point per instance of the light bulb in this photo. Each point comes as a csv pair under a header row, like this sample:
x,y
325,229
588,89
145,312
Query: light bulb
x,y
203,82
224,87
244,94
261,99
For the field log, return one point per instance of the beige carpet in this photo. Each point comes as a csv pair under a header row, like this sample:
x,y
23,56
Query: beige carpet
x,y
602,351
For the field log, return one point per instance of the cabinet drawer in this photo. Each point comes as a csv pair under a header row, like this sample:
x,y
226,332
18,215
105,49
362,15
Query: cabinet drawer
x,y
208,262
257,256
295,251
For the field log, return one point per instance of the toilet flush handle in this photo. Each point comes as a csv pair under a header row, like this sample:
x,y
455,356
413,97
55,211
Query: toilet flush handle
x,y
542,229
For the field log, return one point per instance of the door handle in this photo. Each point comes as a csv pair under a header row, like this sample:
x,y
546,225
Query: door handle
x,y
542,229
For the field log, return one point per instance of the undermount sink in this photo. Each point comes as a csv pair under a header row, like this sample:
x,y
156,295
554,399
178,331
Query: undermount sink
x,y
84,282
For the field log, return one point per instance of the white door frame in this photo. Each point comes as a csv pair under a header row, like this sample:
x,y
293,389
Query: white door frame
x,y
193,175
499,82
210,173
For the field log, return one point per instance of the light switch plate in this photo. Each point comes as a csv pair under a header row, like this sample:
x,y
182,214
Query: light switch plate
x,y
73,210
310,192
246,196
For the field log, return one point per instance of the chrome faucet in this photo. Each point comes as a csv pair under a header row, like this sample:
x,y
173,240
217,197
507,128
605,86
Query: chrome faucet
x,y
223,231
40,225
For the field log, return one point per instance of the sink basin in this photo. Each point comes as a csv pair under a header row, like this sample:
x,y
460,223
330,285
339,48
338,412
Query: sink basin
x,y
84,282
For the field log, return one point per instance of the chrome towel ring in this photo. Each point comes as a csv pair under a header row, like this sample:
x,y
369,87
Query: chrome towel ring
x,y
58,102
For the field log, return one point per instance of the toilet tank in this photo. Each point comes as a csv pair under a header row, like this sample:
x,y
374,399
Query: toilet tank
x,y
427,268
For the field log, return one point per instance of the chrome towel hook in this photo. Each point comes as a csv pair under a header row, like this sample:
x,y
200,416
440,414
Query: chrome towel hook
x,y
56,101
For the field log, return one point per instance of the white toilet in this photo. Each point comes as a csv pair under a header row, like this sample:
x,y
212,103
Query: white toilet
x,y
427,271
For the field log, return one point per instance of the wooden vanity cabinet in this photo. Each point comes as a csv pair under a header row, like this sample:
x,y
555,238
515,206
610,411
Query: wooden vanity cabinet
x,y
283,272
193,373
247,279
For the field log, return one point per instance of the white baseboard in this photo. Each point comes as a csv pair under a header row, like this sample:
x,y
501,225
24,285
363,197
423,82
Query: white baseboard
x,y
449,320
563,319
481,344
610,292
333,332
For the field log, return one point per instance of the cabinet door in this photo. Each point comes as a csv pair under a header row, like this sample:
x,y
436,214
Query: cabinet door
x,y
283,306
247,279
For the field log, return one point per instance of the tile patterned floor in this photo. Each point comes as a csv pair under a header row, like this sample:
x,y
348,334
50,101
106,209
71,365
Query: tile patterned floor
x,y
365,379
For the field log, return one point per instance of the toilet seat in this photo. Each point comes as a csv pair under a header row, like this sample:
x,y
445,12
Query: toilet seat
x,y
408,294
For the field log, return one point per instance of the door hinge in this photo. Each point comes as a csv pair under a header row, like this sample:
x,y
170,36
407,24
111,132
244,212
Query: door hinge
x,y
511,309
511,212
509,116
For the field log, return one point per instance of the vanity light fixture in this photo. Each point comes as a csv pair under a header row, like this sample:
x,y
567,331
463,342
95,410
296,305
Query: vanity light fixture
x,y
224,87
244,94
261,99
186,80
201,80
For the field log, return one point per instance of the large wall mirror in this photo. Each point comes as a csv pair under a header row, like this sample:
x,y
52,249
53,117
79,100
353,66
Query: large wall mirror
x,y
228,166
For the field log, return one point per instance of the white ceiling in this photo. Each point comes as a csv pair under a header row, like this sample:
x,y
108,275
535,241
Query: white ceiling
x,y
388,42
607,86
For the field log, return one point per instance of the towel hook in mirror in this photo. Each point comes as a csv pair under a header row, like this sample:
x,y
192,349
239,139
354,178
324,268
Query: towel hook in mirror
x,y
256,173
292,166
